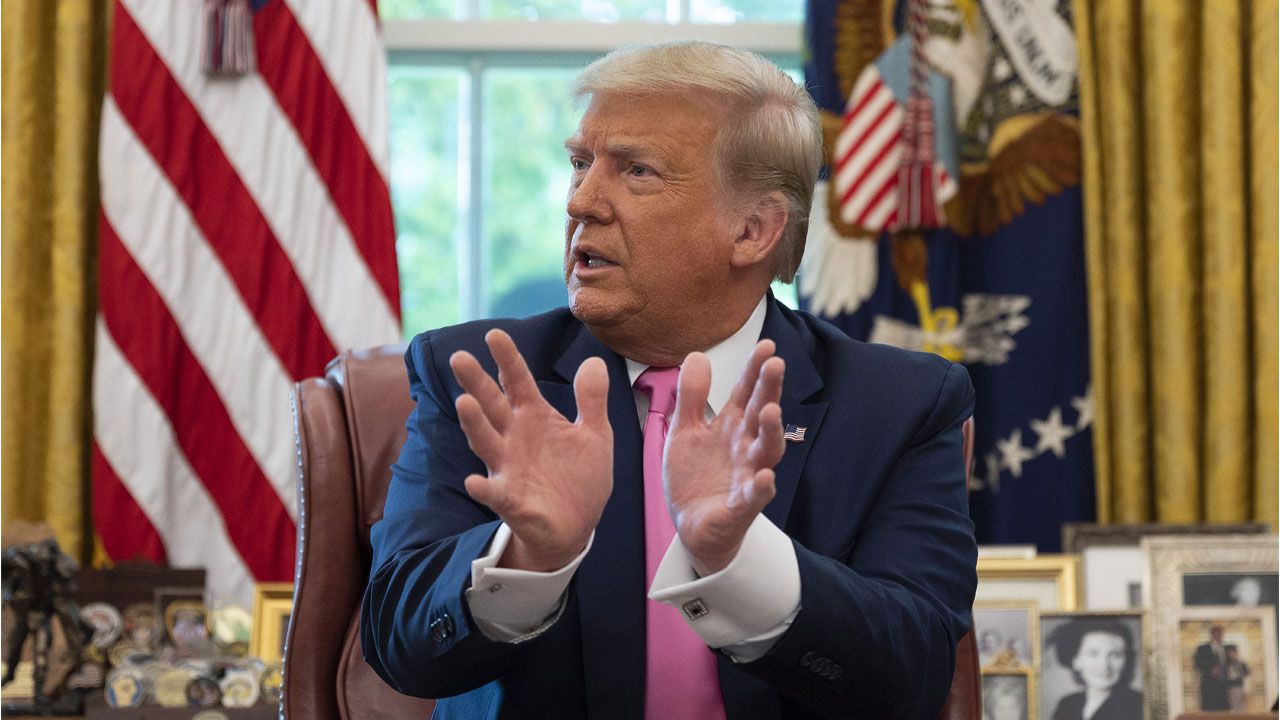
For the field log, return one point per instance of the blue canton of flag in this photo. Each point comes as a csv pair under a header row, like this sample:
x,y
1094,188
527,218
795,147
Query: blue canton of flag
x,y
1000,288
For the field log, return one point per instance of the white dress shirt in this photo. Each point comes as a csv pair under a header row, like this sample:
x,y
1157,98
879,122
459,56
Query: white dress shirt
x,y
752,601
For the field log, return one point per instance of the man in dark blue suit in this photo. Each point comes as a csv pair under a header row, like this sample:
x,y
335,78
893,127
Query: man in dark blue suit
x,y
821,559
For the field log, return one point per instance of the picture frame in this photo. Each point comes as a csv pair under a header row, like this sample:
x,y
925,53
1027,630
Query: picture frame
x,y
1007,634
1050,581
1113,564
1009,695
1168,560
272,607
1089,638
1240,677
1078,536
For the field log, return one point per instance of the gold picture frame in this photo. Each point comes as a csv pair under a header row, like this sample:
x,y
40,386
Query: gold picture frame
x,y
272,606
1010,621
1171,559
1050,581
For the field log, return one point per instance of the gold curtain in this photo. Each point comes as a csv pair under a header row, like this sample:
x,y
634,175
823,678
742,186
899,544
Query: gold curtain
x,y
1178,114
54,60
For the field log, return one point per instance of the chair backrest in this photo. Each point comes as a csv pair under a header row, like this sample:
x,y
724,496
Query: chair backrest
x,y
349,427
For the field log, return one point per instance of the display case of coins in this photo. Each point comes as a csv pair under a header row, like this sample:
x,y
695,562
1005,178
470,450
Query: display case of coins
x,y
161,651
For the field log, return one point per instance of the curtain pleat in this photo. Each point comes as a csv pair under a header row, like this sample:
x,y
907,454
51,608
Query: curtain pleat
x,y
1180,196
53,81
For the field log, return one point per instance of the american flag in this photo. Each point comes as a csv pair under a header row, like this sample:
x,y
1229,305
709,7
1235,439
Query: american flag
x,y
793,433
868,156
245,239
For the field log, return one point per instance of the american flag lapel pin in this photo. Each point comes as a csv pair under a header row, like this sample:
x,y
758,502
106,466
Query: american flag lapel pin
x,y
793,433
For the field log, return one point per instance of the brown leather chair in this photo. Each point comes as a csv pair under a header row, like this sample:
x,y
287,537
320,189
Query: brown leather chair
x,y
349,427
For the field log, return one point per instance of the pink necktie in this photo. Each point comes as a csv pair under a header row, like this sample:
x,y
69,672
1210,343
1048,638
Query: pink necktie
x,y
681,680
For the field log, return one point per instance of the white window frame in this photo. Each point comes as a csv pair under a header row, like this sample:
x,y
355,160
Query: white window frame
x,y
475,45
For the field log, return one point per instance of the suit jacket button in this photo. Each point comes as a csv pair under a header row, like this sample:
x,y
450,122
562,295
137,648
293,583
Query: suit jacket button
x,y
441,628
807,659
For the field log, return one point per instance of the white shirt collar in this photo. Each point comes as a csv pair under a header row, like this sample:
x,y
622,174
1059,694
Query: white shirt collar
x,y
728,358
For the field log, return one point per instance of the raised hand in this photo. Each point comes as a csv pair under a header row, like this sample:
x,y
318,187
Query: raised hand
x,y
548,478
719,475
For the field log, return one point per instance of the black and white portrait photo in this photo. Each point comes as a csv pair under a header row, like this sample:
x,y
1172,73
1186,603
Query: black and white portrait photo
x,y
1244,590
1092,667
1006,696
1239,589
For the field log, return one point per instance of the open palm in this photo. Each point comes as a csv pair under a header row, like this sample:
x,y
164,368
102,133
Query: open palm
x,y
718,475
548,478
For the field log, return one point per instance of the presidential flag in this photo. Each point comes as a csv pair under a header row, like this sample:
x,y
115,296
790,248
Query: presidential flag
x,y
999,284
245,239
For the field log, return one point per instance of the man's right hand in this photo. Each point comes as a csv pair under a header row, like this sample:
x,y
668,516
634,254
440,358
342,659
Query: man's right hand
x,y
549,479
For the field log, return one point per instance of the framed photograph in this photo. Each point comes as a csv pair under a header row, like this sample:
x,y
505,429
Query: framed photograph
x,y
272,606
1179,570
1050,581
1009,696
1094,655
1242,589
1224,659
1113,563
1007,635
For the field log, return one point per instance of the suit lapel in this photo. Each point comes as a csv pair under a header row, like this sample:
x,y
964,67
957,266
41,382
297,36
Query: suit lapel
x,y
610,582
800,383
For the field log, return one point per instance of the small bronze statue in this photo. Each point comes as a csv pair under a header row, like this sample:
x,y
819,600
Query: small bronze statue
x,y
37,584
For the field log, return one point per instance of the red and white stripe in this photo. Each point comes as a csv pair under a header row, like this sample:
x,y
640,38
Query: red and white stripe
x,y
246,239
869,154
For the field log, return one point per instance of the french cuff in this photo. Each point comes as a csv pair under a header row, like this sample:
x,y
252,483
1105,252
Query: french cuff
x,y
753,599
510,605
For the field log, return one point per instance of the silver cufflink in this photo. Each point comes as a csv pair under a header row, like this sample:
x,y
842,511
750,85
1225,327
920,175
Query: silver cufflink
x,y
695,609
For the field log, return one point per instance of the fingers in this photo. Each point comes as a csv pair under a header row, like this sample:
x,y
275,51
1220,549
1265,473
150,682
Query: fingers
x,y
768,389
487,491
477,383
591,390
513,373
760,491
692,390
769,444
750,498
484,440
747,381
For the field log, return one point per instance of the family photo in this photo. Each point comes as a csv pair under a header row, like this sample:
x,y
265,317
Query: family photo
x,y
1227,661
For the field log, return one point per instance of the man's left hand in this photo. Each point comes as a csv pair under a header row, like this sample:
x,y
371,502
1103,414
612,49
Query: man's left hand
x,y
718,475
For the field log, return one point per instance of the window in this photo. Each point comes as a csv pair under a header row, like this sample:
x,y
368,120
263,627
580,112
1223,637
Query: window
x,y
479,109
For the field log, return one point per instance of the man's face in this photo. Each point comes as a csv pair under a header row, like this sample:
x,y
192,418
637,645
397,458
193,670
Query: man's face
x,y
649,233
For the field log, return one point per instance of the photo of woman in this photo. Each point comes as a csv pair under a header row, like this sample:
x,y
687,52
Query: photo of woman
x,y
1091,667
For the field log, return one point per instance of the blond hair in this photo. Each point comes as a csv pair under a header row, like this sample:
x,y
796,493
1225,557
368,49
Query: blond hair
x,y
772,141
